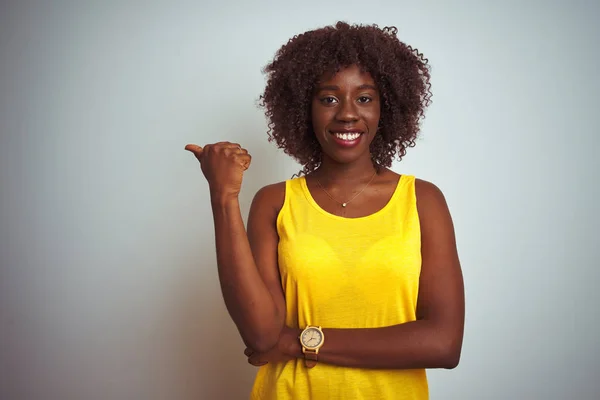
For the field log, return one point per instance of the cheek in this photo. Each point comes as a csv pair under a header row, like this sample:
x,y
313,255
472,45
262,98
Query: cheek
x,y
373,119
377,113
315,118
319,122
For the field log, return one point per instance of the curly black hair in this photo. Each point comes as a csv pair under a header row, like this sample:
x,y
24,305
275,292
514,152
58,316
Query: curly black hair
x,y
400,72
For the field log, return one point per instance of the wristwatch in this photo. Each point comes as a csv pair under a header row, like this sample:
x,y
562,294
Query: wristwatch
x,y
311,340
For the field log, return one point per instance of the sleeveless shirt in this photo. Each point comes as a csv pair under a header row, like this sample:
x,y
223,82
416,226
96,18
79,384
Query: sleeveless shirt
x,y
339,272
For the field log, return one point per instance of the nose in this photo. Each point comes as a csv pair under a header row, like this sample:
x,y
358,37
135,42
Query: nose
x,y
347,111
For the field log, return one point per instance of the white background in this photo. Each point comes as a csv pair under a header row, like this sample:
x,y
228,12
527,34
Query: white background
x,y
108,285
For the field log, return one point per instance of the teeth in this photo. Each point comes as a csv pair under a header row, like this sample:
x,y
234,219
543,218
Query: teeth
x,y
347,136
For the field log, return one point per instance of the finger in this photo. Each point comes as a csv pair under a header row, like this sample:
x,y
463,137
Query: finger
x,y
260,364
255,360
227,145
194,148
256,363
234,151
234,148
237,150
223,144
244,160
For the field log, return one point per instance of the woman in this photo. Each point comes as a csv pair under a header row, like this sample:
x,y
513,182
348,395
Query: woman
x,y
347,283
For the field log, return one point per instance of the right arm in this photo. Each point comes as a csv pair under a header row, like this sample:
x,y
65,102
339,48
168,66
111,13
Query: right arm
x,y
247,264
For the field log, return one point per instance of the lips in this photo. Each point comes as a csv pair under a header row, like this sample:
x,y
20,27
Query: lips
x,y
347,138
347,135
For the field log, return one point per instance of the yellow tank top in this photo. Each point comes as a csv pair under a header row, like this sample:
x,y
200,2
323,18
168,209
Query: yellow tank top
x,y
340,272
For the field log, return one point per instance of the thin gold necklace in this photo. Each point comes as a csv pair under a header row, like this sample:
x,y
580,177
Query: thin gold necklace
x,y
344,204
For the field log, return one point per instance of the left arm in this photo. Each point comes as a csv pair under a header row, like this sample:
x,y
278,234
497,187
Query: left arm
x,y
434,340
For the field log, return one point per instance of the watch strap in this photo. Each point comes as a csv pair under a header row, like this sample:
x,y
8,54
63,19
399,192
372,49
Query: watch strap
x,y
310,358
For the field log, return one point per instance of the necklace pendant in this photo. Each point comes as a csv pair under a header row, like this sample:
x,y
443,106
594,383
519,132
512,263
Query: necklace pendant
x,y
343,204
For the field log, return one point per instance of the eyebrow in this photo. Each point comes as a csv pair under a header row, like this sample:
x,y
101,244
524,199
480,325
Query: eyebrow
x,y
334,87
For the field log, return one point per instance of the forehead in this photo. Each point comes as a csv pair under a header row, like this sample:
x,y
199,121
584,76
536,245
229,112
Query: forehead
x,y
347,76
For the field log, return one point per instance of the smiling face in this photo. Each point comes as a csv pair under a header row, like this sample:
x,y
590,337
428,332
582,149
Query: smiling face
x,y
345,114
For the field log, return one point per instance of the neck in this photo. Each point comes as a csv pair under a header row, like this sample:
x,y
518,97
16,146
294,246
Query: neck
x,y
331,172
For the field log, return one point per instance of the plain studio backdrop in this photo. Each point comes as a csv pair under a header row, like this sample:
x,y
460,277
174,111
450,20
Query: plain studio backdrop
x,y
108,282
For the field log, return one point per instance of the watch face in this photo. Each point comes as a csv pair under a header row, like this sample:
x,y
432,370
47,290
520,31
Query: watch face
x,y
312,338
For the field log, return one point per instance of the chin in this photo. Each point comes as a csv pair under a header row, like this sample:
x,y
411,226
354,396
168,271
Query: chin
x,y
347,157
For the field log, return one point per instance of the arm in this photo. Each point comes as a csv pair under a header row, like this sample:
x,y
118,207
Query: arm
x,y
434,340
247,265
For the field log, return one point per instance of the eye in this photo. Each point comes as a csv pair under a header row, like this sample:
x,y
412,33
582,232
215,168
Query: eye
x,y
328,100
364,99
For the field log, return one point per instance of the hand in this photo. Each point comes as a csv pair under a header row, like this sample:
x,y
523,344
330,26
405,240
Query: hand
x,y
286,349
223,165
272,356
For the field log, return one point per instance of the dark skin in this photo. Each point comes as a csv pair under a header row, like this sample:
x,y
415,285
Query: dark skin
x,y
247,266
251,285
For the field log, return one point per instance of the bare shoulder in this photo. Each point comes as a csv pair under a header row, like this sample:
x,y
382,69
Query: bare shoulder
x,y
429,197
433,209
270,197
427,190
